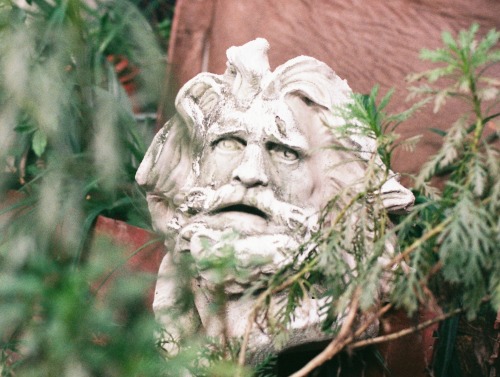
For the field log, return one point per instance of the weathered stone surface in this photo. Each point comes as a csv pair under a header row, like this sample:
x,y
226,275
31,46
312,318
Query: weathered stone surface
x,y
247,165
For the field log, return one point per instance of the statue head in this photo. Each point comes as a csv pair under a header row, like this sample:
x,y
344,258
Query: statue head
x,y
250,153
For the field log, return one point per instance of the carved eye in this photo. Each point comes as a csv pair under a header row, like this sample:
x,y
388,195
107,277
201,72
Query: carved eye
x,y
283,154
307,101
230,144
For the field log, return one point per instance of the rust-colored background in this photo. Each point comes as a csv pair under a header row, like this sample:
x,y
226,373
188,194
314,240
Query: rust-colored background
x,y
365,42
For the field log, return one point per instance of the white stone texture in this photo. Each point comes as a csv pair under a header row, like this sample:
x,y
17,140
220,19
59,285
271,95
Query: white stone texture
x,y
245,166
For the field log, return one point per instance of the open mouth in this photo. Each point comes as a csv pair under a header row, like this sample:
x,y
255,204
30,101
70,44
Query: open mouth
x,y
242,208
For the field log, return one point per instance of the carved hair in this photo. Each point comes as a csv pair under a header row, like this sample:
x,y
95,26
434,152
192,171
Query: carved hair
x,y
171,162
167,164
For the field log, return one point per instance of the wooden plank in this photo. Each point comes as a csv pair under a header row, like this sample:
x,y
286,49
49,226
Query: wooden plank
x,y
189,37
366,43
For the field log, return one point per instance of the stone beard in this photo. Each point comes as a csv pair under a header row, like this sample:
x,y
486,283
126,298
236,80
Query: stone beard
x,y
245,162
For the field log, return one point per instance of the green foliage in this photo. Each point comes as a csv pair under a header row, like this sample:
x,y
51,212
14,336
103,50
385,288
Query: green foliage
x,y
466,212
370,119
69,149
52,323
64,109
72,154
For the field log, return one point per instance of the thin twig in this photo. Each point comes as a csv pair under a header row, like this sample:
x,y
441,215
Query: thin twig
x,y
431,233
258,305
362,328
123,263
404,332
345,336
343,339
246,336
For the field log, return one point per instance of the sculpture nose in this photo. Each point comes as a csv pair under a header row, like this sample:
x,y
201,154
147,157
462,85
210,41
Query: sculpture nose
x,y
251,170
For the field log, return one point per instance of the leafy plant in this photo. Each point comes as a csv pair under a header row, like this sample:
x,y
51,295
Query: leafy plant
x,y
72,154
464,219
64,108
69,148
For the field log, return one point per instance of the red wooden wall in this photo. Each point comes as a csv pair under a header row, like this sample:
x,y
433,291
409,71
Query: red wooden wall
x,y
367,43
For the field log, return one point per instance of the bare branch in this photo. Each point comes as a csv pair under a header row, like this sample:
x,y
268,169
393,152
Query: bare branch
x,y
344,337
258,305
404,332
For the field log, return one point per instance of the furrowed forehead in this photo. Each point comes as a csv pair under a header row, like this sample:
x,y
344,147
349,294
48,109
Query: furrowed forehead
x,y
264,120
283,128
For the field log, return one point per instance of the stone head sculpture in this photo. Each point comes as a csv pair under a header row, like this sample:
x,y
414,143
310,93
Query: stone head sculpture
x,y
247,154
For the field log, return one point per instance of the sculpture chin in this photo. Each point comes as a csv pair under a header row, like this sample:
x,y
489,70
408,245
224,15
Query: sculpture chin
x,y
257,246
260,249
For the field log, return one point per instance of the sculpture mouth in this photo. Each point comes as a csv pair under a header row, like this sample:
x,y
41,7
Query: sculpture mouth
x,y
243,208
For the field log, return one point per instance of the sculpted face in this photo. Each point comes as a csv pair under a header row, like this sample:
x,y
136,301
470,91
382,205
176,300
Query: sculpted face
x,y
257,148
258,177
246,161
264,152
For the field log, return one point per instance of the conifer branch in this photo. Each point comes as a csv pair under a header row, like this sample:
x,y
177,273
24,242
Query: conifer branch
x,y
417,243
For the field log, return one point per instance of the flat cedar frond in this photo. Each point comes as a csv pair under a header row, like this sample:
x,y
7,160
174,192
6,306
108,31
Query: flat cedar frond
x,y
409,145
430,191
331,261
407,289
366,116
464,59
478,174
488,93
452,149
466,248
417,91
392,121
372,287
440,99
492,159
493,81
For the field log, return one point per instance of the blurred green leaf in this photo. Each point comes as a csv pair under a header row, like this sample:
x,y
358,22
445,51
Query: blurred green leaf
x,y
39,142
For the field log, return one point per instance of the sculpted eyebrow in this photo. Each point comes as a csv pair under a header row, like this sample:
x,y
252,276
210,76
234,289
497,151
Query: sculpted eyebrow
x,y
214,137
301,147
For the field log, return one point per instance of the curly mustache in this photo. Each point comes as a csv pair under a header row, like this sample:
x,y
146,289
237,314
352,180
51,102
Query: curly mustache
x,y
258,201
